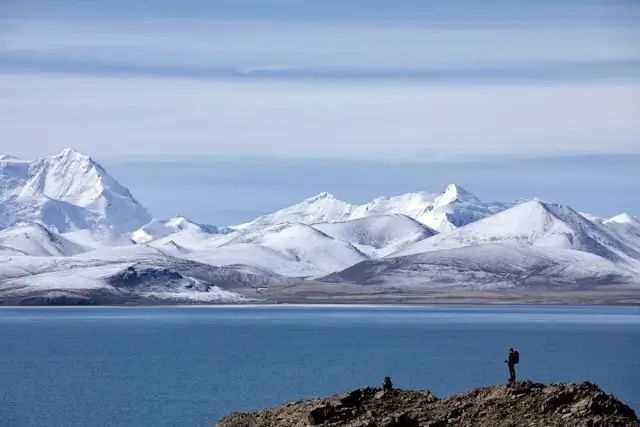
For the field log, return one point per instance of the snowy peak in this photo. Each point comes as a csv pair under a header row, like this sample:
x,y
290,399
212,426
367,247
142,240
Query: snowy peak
x,y
70,154
454,193
319,197
181,223
533,223
313,251
157,229
36,240
456,207
626,228
323,207
72,177
445,211
77,179
623,218
281,235
85,194
410,204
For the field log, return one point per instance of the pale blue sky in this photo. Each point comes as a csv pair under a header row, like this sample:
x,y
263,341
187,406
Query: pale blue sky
x,y
225,192
344,81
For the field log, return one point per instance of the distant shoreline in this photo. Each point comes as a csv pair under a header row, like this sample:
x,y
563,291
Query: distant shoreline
x,y
345,301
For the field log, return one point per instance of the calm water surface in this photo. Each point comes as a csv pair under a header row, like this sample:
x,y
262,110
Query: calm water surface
x,y
188,366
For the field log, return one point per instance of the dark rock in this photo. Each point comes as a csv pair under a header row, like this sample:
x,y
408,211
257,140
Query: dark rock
x,y
320,414
455,413
527,403
347,399
557,401
402,420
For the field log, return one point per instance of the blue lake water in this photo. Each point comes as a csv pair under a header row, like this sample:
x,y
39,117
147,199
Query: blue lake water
x,y
188,366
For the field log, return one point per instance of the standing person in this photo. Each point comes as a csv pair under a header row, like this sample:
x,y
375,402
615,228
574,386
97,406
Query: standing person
x,y
512,361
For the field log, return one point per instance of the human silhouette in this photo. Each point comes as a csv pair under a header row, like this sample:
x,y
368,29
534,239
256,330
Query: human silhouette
x,y
512,360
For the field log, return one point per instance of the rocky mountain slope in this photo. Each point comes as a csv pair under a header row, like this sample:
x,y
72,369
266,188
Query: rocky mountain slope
x,y
137,274
526,404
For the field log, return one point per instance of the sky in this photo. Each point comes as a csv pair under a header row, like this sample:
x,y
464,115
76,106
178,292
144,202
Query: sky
x,y
227,192
354,83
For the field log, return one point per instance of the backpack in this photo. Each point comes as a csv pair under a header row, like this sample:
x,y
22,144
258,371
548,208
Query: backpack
x,y
516,357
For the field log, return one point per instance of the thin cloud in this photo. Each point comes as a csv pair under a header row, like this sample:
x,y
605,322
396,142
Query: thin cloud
x,y
41,113
333,50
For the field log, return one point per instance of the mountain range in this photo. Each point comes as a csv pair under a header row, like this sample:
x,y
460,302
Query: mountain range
x,y
72,234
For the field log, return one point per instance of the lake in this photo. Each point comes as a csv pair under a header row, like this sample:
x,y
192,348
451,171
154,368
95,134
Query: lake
x,y
188,366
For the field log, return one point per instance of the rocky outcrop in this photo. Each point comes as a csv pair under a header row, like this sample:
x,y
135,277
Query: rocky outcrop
x,y
525,404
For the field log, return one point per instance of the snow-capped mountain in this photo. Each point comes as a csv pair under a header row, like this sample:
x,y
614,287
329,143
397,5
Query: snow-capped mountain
x,y
452,208
625,227
157,229
55,214
35,239
534,223
68,191
413,205
70,233
456,207
321,208
147,278
295,250
378,235
533,243
488,266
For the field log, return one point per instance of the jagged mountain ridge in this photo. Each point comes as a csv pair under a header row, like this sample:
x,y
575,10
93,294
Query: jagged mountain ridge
x,y
454,207
68,191
67,206
533,243
534,223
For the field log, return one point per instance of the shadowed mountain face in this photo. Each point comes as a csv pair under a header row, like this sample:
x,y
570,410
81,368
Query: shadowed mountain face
x,y
525,403
70,232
